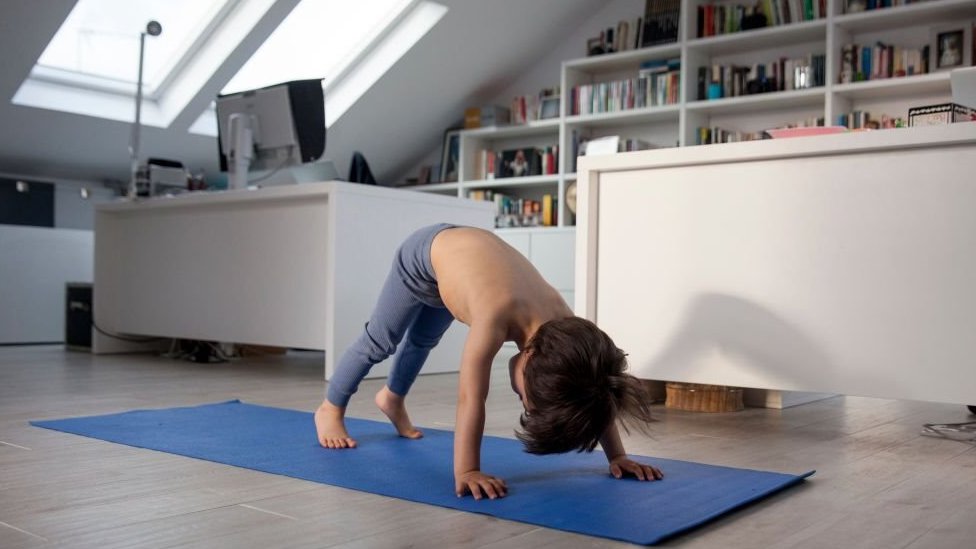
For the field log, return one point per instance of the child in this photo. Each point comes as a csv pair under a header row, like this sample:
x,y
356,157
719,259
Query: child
x,y
568,373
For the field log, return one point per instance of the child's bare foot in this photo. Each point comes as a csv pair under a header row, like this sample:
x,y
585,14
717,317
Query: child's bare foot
x,y
392,405
331,428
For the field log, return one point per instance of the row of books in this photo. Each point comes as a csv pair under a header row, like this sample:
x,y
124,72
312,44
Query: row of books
x,y
714,20
859,62
522,162
526,108
629,144
782,74
608,143
578,141
628,36
660,24
715,134
855,6
520,212
784,12
656,85
856,120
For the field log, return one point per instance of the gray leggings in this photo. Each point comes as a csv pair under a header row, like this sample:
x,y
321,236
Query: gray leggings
x,y
409,304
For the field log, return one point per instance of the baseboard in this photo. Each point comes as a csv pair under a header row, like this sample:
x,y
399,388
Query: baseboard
x,y
769,398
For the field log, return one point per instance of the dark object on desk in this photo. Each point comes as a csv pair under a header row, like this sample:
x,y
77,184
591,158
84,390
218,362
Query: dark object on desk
x,y
161,176
359,171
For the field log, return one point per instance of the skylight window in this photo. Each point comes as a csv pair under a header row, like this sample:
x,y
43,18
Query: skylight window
x,y
91,65
349,45
315,41
98,44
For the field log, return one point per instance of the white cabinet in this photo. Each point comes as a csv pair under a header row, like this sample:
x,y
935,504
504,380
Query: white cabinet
x,y
551,251
677,121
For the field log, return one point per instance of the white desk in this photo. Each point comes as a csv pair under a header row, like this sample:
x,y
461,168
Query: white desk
x,y
294,266
842,264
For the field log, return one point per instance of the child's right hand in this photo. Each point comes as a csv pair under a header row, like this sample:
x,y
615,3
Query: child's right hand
x,y
478,483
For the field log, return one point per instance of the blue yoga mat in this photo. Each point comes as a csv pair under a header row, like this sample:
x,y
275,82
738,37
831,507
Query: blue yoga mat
x,y
572,492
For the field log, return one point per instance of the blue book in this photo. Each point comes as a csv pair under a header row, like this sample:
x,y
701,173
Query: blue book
x,y
866,62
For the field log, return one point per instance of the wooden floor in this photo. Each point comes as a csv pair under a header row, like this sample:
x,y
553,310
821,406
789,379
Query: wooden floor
x,y
879,484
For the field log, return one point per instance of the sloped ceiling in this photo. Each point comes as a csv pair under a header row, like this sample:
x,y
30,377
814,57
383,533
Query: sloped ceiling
x,y
478,49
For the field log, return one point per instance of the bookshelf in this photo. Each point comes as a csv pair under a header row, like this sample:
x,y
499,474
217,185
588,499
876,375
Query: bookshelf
x,y
677,124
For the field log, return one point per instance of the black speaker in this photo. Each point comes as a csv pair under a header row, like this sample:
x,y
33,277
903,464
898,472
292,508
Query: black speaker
x,y
78,316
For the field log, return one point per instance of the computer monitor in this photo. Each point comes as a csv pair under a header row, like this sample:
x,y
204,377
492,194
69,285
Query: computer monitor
x,y
271,128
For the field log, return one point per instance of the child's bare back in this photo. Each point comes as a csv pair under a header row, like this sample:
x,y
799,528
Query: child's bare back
x,y
483,279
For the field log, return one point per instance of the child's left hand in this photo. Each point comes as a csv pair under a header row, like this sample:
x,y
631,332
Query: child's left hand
x,y
623,465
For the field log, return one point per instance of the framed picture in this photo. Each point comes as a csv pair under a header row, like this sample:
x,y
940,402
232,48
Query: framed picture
x,y
549,107
450,159
594,46
950,46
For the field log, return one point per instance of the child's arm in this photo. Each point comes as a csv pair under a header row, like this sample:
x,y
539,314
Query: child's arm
x,y
620,464
482,343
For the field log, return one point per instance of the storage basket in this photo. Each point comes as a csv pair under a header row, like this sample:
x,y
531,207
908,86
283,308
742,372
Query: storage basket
x,y
696,397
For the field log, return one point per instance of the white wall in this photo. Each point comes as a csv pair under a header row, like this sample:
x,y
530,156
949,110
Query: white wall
x,y
72,210
37,262
545,72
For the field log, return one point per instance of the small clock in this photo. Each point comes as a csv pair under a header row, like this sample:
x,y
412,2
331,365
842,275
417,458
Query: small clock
x,y
571,197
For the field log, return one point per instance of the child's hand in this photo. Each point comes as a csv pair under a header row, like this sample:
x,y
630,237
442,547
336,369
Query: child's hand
x,y
623,465
477,482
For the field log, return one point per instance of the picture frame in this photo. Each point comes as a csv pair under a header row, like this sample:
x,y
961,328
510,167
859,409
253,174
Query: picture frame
x,y
549,107
950,46
594,46
450,156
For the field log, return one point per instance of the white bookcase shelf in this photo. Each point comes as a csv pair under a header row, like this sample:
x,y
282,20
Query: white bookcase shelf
x,y
909,86
760,39
531,181
813,97
677,124
919,13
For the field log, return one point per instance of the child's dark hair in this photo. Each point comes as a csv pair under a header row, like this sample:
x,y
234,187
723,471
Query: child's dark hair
x,y
576,383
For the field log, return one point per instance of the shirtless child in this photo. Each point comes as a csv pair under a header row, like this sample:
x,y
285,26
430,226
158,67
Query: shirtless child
x,y
568,373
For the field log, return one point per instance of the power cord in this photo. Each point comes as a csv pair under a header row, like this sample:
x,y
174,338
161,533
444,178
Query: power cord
x,y
269,174
126,338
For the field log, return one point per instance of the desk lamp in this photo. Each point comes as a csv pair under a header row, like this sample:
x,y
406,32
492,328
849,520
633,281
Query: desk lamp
x,y
153,28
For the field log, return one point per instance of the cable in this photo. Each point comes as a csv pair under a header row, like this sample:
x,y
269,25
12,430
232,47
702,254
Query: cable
x,y
201,351
271,173
126,338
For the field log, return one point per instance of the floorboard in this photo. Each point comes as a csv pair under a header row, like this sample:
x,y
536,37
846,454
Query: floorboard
x,y
879,483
